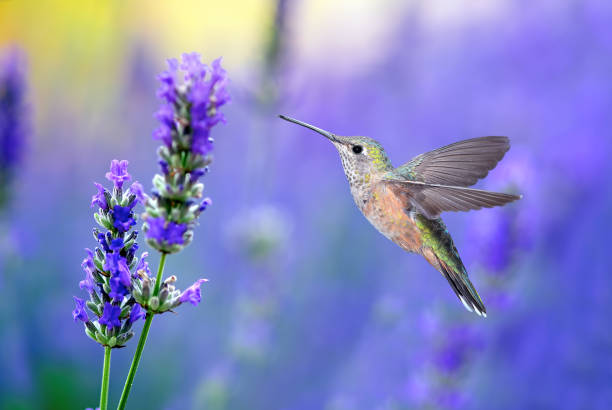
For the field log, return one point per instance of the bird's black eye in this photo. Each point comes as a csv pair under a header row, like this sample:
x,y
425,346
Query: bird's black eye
x,y
357,149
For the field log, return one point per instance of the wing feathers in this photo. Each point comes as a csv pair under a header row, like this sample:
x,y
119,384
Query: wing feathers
x,y
459,164
432,199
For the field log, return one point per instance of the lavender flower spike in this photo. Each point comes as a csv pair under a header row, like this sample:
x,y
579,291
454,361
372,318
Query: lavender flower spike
x,y
187,116
14,123
108,269
189,112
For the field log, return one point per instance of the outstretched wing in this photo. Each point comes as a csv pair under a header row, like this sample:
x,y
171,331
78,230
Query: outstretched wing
x,y
432,199
459,164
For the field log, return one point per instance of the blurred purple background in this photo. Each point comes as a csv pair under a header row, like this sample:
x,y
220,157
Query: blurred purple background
x,y
308,307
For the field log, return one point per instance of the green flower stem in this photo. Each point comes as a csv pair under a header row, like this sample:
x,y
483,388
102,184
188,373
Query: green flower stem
x,y
141,341
105,378
158,278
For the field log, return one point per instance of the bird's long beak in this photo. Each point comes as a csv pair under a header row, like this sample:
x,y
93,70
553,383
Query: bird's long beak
x,y
326,134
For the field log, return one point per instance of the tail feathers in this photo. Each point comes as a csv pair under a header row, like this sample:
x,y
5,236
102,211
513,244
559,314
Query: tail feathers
x,y
464,289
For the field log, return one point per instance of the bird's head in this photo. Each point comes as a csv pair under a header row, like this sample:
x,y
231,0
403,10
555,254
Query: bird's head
x,y
360,155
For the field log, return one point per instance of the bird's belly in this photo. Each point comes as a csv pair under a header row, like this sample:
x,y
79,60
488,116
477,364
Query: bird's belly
x,y
388,214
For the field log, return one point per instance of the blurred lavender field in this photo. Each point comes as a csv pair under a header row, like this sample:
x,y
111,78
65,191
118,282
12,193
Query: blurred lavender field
x,y
308,307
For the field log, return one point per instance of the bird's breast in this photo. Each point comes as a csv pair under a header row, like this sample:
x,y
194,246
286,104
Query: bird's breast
x,y
389,215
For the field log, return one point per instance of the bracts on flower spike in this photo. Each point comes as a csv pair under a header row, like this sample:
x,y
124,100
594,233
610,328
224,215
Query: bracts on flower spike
x,y
189,112
108,278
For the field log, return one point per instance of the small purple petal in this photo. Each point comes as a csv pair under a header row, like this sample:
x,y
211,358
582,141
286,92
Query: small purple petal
x,y
79,313
167,88
136,313
115,264
165,115
163,134
110,316
118,172
103,242
88,261
116,244
194,69
99,198
193,294
164,167
143,265
205,203
117,289
170,232
136,189
87,283
123,220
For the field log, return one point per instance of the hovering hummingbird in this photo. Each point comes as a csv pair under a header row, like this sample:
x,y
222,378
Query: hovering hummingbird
x,y
404,203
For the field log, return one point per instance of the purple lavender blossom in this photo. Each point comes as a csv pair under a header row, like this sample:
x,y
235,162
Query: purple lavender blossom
x,y
164,135
116,244
88,266
103,242
205,204
79,313
88,261
186,117
88,283
194,69
204,95
137,189
193,294
123,218
110,316
165,115
163,231
116,264
136,313
120,281
119,287
109,279
459,344
118,173
99,199
167,89
143,265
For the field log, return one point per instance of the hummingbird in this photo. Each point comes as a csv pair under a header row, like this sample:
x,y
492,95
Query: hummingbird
x,y
405,203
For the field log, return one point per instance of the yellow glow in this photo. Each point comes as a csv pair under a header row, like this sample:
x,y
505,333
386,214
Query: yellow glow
x,y
80,48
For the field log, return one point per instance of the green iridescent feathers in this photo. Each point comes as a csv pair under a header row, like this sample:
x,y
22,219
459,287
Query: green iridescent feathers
x,y
436,238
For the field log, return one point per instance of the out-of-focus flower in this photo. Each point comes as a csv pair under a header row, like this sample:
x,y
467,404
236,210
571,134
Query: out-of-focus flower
x,y
189,111
137,189
497,235
14,123
437,381
259,232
